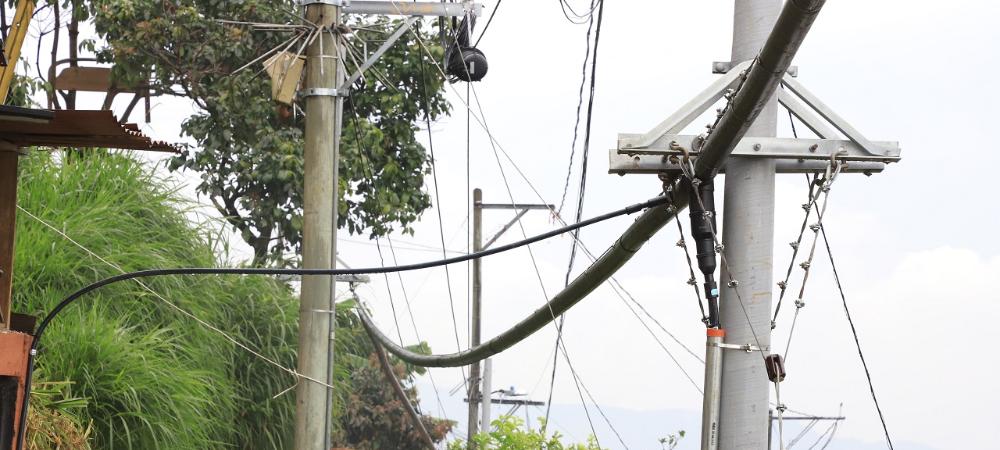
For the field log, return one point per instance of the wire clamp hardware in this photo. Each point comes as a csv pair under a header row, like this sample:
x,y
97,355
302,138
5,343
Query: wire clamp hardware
x,y
322,92
744,347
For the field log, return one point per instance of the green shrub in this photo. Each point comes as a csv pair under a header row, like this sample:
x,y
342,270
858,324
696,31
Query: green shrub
x,y
153,378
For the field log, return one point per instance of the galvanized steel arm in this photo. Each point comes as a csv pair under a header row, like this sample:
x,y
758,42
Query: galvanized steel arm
x,y
764,76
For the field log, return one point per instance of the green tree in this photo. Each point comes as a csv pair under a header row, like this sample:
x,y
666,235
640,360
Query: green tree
x,y
250,155
508,433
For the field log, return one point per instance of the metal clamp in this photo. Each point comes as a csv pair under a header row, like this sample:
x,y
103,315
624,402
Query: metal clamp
x,y
341,3
322,92
745,347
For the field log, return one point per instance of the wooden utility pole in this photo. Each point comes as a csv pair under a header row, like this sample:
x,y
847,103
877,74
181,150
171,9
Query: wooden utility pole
x,y
319,233
475,397
8,212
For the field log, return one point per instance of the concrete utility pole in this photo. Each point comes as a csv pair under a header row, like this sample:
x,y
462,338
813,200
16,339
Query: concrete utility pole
x,y
748,233
319,233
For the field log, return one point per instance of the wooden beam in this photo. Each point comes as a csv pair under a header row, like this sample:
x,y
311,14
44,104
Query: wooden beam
x,y
8,212
91,79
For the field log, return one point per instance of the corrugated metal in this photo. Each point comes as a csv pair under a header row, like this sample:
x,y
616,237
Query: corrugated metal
x,y
75,129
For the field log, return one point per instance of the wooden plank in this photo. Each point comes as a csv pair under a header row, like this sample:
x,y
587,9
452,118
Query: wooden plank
x,y
91,79
8,212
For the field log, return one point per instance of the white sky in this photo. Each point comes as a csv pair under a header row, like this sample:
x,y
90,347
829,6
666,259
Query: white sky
x,y
914,244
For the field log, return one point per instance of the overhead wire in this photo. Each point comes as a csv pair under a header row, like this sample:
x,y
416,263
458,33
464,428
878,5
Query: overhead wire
x,y
437,195
497,146
582,191
170,304
857,342
534,263
366,154
577,19
488,22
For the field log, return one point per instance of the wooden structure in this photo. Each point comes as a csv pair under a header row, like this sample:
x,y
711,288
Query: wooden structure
x,y
21,128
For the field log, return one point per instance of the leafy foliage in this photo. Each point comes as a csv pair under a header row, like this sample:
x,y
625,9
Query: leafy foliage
x,y
151,377
508,433
250,157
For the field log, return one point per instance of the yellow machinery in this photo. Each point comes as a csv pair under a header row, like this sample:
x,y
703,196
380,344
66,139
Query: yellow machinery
x,y
12,47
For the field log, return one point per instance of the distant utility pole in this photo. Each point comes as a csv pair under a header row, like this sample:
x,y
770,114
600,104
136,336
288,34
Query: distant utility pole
x,y
324,89
319,232
771,418
475,398
748,234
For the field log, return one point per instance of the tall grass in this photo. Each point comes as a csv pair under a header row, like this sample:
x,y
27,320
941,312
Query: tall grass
x,y
152,378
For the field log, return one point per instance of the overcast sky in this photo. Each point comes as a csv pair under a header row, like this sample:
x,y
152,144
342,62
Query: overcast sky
x,y
915,245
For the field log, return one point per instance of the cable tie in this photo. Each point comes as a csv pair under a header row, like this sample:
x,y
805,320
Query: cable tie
x,y
794,245
681,243
805,265
815,227
733,283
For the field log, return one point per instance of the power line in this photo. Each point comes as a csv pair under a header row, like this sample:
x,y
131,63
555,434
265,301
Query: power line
x,y
583,175
416,332
541,283
857,342
437,196
488,22
578,19
576,126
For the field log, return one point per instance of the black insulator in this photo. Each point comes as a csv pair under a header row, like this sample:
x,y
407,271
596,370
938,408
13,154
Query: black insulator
x,y
775,367
467,63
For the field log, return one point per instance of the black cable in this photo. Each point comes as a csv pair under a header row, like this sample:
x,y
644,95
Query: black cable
x,y
583,172
854,332
564,6
43,325
488,22
576,126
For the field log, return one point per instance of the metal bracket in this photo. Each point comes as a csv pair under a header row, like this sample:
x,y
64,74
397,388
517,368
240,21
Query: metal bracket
x,y
779,148
322,92
341,3
726,66
425,8
649,152
379,52
745,347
